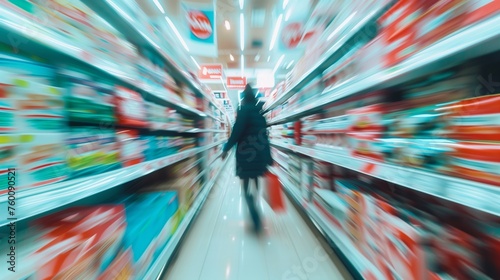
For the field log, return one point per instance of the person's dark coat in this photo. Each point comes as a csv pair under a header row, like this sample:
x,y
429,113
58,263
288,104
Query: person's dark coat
x,y
249,135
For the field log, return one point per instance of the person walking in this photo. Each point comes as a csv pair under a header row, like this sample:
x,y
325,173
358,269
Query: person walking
x,y
253,151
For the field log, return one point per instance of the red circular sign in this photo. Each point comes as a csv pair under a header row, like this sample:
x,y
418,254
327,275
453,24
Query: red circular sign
x,y
292,34
200,25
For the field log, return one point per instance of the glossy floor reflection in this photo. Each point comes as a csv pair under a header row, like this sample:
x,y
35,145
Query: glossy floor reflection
x,y
222,245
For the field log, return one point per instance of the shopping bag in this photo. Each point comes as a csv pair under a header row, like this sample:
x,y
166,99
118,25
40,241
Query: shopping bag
x,y
273,192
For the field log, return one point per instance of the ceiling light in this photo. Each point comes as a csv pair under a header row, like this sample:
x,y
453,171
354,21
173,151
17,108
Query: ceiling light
x,y
159,6
176,33
275,33
242,31
288,14
340,26
242,3
227,24
278,64
242,65
231,57
257,57
285,3
289,65
268,58
197,65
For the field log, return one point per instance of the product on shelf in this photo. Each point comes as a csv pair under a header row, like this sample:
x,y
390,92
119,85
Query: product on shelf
x,y
131,147
91,151
477,161
41,158
474,119
8,158
130,110
87,101
365,144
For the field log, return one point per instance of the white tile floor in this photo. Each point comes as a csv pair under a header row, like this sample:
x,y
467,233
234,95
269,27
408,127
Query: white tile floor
x,y
221,245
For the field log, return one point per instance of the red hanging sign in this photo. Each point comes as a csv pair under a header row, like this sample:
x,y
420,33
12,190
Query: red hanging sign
x,y
210,71
236,82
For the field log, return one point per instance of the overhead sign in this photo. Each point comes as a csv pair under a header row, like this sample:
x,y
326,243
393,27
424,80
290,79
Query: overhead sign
x,y
210,71
236,82
220,94
200,21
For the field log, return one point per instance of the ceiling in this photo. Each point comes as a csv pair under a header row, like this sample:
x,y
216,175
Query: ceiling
x,y
260,19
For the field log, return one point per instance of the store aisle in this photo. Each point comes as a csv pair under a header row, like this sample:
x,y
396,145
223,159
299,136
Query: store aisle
x,y
221,244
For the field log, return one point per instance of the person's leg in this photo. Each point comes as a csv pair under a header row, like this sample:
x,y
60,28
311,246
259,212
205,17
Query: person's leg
x,y
252,207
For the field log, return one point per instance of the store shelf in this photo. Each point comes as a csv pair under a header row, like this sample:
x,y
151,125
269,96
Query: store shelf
x,y
472,42
472,194
330,231
32,202
123,22
325,60
21,31
157,268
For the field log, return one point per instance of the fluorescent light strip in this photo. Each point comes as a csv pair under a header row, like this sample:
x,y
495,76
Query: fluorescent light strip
x,y
195,62
341,26
242,31
278,64
285,3
289,64
257,57
242,65
275,33
159,6
228,25
231,57
268,58
176,33
242,3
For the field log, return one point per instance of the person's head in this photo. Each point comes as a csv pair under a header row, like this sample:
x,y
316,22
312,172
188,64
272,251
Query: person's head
x,y
249,95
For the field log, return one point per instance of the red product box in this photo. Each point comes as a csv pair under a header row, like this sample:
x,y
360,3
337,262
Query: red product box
x,y
95,232
366,144
475,118
367,118
476,161
458,253
482,9
402,15
405,254
131,147
400,47
130,108
440,20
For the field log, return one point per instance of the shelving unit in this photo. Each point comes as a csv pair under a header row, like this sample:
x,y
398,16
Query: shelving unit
x,y
161,263
329,231
442,186
474,41
33,202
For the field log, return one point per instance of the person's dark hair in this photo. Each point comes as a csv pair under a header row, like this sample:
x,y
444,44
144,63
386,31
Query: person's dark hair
x,y
249,95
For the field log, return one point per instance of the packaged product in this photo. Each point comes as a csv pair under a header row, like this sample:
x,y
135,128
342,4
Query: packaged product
x,y
365,144
87,101
367,118
481,10
306,180
441,19
474,119
120,268
98,231
141,232
9,144
130,110
405,253
91,151
7,104
458,253
131,147
40,106
167,208
476,161
42,158
349,191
